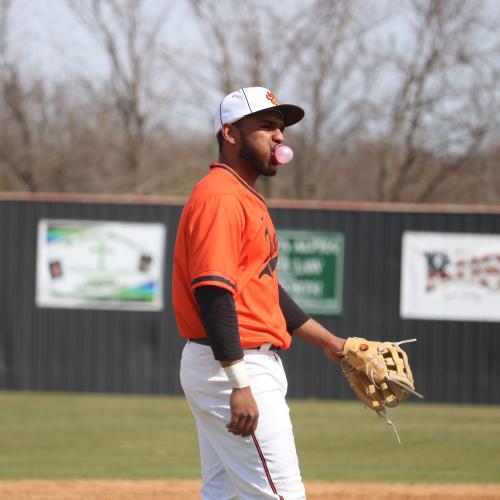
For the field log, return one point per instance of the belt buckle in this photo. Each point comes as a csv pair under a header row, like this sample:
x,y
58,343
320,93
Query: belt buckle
x,y
265,347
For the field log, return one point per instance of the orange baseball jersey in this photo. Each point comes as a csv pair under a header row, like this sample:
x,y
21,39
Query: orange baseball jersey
x,y
226,238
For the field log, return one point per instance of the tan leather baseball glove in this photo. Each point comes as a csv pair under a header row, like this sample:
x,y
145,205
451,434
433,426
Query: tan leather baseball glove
x,y
378,372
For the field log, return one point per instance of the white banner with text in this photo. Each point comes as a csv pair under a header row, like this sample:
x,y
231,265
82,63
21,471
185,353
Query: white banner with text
x,y
450,276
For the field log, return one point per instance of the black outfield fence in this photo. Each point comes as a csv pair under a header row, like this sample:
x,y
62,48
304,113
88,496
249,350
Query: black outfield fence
x,y
91,350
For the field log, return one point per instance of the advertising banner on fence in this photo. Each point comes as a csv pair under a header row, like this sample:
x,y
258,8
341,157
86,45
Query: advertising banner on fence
x,y
310,268
100,265
450,276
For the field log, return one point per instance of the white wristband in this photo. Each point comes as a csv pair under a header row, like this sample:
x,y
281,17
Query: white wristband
x,y
237,375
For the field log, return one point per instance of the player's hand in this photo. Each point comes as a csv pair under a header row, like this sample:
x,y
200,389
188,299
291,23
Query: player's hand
x,y
332,349
244,412
314,333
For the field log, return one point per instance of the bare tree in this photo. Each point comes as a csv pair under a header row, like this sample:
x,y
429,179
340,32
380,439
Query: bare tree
x,y
315,51
334,76
407,118
422,106
32,154
441,100
248,43
131,42
16,139
252,43
5,6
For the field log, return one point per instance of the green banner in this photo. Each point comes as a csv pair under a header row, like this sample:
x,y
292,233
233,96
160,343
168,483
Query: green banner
x,y
310,269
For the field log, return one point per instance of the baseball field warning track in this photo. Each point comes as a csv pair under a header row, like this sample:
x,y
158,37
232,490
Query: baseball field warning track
x,y
189,490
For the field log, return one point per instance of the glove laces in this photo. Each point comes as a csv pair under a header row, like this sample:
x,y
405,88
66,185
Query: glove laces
x,y
383,414
404,341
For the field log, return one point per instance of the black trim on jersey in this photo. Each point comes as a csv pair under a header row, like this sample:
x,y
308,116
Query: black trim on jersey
x,y
219,319
213,278
248,104
241,181
295,317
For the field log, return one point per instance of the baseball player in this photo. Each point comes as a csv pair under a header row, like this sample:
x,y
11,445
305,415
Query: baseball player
x,y
233,312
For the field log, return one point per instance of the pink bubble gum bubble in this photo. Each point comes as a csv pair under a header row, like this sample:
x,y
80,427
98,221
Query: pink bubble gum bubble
x,y
283,153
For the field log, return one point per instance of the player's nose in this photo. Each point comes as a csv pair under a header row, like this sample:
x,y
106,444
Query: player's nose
x,y
278,136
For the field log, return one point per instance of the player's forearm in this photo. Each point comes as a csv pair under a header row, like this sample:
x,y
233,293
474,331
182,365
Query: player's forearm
x,y
314,333
293,314
225,364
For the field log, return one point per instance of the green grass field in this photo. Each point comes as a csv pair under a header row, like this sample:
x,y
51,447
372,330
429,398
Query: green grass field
x,y
69,436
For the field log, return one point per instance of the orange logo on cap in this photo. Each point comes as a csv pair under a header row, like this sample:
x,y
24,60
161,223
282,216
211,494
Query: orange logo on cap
x,y
272,98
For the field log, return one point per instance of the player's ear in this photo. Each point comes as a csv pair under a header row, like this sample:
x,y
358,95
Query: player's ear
x,y
230,133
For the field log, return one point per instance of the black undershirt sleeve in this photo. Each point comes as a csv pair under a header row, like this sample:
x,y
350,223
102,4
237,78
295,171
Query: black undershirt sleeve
x,y
218,316
295,317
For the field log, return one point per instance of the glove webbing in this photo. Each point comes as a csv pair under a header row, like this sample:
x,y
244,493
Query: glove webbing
x,y
370,375
383,413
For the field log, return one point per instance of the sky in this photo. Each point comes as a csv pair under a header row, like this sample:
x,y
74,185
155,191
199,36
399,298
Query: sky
x,y
49,39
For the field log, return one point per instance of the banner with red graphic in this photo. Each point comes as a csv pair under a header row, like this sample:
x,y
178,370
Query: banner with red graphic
x,y
450,276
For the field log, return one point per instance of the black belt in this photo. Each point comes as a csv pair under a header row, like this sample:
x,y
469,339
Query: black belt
x,y
207,342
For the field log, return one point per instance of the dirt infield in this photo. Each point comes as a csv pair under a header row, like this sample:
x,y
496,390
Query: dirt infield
x,y
188,490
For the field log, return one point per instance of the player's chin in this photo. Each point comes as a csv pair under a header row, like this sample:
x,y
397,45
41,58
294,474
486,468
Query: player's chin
x,y
270,173
269,170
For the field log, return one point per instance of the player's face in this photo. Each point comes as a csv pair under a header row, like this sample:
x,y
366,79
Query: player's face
x,y
259,135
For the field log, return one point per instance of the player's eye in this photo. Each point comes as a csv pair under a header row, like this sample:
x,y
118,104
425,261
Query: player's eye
x,y
271,126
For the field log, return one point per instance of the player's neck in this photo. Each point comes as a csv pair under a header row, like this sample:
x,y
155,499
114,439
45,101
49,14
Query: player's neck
x,y
246,171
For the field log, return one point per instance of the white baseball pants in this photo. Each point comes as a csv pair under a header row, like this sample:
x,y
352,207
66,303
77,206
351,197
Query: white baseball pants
x,y
261,466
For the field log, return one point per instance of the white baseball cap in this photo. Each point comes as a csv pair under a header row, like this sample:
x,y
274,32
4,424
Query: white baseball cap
x,y
250,100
